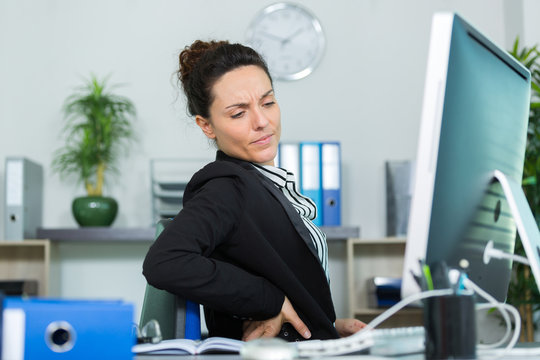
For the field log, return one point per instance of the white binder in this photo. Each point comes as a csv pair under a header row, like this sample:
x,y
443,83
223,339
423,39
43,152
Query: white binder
x,y
24,198
289,159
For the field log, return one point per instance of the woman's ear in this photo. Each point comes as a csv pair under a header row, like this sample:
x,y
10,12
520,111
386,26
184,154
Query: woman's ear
x,y
205,126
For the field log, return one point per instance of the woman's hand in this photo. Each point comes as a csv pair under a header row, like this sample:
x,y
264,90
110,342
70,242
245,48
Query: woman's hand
x,y
347,327
272,327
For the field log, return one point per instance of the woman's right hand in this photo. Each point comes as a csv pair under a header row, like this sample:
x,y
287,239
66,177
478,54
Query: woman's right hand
x,y
272,327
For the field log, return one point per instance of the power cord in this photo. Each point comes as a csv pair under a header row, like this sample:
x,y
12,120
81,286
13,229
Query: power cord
x,y
491,252
364,338
490,351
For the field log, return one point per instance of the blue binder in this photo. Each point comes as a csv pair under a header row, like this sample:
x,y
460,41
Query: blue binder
x,y
74,329
1,320
331,183
193,321
310,168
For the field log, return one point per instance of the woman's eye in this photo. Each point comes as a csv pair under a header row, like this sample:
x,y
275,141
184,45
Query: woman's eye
x,y
237,115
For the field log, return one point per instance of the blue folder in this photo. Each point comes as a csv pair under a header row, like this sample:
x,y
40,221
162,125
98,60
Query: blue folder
x,y
193,321
1,320
74,329
331,183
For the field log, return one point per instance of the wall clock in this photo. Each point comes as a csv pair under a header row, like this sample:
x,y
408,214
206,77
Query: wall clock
x,y
290,39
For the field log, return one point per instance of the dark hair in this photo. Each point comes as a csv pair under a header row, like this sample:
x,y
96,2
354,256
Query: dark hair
x,y
203,63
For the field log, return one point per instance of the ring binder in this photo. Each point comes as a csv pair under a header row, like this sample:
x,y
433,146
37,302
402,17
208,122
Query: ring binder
x,y
24,198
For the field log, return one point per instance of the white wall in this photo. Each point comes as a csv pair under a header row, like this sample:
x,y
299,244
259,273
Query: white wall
x,y
531,25
366,93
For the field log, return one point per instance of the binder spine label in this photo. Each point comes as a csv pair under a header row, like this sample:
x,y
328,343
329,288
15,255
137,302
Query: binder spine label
x,y
310,167
331,164
14,183
13,334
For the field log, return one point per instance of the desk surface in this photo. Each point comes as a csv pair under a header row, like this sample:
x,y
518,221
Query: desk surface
x,y
344,357
237,357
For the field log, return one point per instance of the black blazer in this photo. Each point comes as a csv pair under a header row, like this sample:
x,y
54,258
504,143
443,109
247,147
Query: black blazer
x,y
237,247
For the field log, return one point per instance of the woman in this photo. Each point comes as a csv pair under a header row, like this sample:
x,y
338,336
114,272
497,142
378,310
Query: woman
x,y
243,244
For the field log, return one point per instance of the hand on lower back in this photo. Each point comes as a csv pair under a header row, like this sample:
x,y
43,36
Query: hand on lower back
x,y
272,327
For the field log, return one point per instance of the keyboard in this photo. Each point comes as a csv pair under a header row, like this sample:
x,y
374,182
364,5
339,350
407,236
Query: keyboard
x,y
397,341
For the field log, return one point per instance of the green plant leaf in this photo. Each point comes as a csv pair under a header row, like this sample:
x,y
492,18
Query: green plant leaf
x,y
97,130
521,285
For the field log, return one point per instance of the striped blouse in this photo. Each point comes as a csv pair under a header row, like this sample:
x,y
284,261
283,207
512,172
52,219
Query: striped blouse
x,y
284,180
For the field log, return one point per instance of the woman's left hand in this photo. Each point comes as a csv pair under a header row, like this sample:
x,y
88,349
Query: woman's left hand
x,y
271,327
347,327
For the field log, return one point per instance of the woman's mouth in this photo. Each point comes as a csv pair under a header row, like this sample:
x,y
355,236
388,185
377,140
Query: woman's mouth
x,y
263,140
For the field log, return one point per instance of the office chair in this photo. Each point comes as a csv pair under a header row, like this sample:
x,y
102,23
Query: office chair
x,y
177,317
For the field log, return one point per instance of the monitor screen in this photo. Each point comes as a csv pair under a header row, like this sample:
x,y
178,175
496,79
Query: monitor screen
x,y
474,121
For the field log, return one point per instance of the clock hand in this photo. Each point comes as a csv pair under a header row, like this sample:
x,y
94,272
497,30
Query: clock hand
x,y
272,36
290,37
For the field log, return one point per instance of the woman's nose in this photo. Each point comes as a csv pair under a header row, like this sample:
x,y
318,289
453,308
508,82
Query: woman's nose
x,y
259,119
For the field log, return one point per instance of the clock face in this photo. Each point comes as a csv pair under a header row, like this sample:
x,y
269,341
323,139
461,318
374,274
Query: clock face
x,y
289,38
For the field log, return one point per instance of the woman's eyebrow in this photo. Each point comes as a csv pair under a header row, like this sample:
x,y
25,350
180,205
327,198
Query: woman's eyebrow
x,y
237,105
246,104
267,93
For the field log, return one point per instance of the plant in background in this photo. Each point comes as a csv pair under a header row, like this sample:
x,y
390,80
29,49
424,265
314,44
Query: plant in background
x,y
97,128
523,291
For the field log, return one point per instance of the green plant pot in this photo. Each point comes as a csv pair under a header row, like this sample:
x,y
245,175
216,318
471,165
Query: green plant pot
x,y
94,210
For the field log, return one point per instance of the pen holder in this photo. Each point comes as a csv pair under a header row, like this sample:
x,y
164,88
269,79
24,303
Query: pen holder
x,y
450,327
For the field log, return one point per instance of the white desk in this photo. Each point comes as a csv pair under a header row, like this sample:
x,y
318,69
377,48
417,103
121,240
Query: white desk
x,y
237,357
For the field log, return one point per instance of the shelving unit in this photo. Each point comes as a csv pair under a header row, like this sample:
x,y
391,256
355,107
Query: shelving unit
x,y
30,260
169,178
367,258
129,235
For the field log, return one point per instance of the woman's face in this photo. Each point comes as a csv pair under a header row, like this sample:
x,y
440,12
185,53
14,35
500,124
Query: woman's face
x,y
245,119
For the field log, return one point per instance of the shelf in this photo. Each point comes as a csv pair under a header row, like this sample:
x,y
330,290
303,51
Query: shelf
x,y
404,317
97,234
378,311
112,234
367,258
30,260
340,232
383,241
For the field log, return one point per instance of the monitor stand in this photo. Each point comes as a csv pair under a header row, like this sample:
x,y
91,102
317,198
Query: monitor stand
x,y
524,219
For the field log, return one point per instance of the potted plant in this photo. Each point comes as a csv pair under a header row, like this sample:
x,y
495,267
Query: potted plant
x,y
97,128
523,292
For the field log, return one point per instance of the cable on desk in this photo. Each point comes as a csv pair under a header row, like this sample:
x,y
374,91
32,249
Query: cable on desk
x,y
362,339
488,350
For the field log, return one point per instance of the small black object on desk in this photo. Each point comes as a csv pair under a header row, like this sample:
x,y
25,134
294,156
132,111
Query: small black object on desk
x,y
449,320
450,327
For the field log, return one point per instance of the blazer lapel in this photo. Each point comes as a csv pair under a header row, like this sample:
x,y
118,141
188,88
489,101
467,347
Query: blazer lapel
x,y
291,213
287,206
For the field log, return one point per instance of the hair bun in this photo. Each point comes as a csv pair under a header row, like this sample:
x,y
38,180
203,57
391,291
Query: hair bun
x,y
204,62
190,56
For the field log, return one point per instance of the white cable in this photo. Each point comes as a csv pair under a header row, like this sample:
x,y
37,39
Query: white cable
x,y
508,327
362,339
490,353
491,252
503,308
401,304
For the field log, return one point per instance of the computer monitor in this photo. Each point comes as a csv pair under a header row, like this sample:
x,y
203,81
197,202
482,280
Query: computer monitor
x,y
474,123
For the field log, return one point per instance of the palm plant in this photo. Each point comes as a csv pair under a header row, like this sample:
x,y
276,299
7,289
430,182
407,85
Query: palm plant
x,y
523,291
97,128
